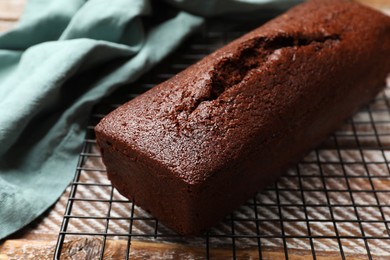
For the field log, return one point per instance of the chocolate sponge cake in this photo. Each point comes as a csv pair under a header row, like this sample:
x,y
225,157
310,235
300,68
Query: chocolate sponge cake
x,y
197,146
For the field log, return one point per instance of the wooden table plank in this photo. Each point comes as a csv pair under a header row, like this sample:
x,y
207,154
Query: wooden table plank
x,y
10,11
89,248
381,5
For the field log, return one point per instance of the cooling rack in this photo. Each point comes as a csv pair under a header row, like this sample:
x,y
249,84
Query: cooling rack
x,y
333,204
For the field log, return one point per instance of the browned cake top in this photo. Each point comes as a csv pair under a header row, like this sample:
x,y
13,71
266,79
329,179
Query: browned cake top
x,y
208,115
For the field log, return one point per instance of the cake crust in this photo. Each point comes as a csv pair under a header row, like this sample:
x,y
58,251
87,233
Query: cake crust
x,y
195,147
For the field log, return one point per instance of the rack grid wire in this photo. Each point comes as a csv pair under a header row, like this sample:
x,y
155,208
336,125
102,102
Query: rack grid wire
x,y
334,203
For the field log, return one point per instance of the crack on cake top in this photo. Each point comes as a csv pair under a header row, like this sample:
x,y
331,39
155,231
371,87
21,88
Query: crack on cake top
x,y
252,55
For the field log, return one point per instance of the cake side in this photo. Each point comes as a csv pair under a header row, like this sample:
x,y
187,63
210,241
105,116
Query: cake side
x,y
228,125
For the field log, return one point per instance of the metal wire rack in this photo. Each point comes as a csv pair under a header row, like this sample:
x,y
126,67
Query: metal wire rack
x,y
334,203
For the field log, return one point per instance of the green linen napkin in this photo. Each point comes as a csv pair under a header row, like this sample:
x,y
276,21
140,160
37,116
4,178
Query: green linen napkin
x,y
60,60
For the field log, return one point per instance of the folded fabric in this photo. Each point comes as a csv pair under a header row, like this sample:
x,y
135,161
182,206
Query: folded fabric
x,y
60,60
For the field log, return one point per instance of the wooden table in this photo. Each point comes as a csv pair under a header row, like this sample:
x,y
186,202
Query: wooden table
x,y
10,11
28,245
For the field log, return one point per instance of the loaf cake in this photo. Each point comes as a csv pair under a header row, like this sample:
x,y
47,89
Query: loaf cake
x,y
197,146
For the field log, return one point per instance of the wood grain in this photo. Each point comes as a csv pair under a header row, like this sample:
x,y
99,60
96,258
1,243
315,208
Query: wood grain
x,y
381,5
43,247
89,248
10,11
